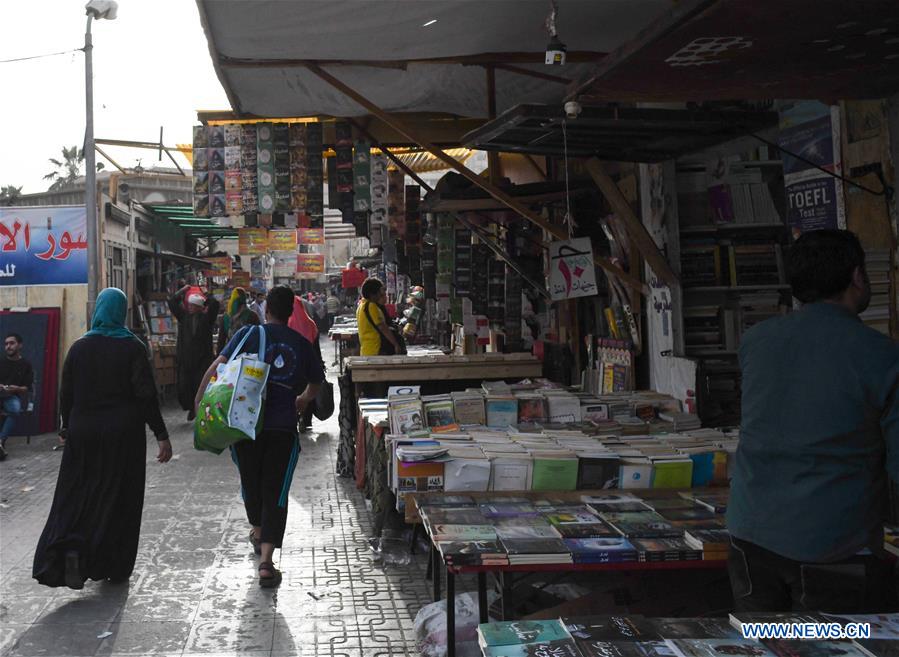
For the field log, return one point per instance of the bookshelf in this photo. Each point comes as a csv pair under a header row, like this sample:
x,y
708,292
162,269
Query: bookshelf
x,y
731,207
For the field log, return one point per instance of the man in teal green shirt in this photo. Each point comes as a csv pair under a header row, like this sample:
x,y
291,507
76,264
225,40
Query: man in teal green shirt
x,y
819,440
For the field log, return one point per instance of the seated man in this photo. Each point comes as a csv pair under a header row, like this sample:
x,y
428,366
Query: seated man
x,y
16,378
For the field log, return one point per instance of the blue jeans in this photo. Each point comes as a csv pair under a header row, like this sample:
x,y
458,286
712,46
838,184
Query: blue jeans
x,y
12,406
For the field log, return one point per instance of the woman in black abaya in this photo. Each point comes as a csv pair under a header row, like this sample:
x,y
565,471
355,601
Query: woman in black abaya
x,y
107,396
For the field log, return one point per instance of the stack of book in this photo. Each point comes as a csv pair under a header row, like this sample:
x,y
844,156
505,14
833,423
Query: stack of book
x,y
526,639
878,265
756,264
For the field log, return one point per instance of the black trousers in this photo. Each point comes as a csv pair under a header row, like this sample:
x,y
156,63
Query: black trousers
x,y
266,470
764,581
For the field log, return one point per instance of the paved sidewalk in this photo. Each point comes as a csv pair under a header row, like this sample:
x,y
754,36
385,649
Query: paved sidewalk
x,y
194,590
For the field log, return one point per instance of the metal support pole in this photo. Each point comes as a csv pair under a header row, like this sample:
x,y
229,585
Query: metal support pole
x,y
482,597
90,176
436,567
450,614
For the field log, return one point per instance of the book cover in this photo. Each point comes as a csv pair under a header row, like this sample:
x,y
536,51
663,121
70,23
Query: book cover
x,y
453,516
626,649
440,416
598,473
531,409
611,628
672,474
619,507
601,550
509,510
501,413
560,648
721,648
534,545
664,503
524,528
805,648
555,474
442,532
635,473
598,529
469,551
879,647
665,549
469,410
510,633
571,515
641,524
687,514
691,628
708,539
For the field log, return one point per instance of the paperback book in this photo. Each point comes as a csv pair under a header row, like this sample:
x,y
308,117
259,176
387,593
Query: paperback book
x,y
666,549
611,628
601,550
510,633
641,524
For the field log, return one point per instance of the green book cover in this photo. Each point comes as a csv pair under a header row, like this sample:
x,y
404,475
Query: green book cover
x,y
554,474
510,633
672,474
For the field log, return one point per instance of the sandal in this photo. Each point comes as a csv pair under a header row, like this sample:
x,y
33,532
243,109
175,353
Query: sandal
x,y
256,543
272,580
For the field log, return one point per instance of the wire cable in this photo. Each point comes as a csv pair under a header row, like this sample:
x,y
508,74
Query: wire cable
x,y
51,54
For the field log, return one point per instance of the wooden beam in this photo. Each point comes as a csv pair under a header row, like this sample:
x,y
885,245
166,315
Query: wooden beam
x,y
494,166
574,57
530,159
533,74
635,228
507,200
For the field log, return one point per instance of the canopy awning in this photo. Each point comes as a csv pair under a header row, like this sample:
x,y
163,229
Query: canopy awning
x,y
407,56
182,216
751,49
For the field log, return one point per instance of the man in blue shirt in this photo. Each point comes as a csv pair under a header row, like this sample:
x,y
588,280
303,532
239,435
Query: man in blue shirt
x,y
267,463
819,439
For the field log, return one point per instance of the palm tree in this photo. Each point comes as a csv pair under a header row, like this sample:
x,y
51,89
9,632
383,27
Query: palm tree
x,y
9,195
68,169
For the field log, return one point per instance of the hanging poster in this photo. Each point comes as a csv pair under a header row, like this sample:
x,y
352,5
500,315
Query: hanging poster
x,y
219,267
240,278
43,246
285,263
379,188
252,241
282,240
572,273
310,263
311,235
810,130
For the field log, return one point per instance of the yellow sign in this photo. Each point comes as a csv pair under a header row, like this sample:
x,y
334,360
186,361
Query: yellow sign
x,y
219,267
310,263
252,241
282,240
311,235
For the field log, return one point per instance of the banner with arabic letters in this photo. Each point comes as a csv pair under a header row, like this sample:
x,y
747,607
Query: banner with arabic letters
x,y
43,246
572,273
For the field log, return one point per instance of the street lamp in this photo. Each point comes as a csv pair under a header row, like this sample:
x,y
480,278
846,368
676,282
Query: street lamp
x,y
98,9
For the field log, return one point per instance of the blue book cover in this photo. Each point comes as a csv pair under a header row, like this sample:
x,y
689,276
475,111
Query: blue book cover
x,y
601,550
510,633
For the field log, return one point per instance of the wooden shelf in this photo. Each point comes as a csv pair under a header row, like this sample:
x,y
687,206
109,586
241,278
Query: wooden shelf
x,y
735,288
726,228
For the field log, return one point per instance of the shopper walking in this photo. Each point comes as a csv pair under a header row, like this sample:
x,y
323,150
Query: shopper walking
x,y
302,323
332,306
196,322
107,396
237,315
16,379
267,463
819,440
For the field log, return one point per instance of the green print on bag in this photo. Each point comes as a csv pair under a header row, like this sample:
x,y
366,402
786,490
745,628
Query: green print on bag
x,y
231,408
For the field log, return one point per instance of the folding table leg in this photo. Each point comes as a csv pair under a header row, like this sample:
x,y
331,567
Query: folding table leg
x,y
435,573
450,614
482,597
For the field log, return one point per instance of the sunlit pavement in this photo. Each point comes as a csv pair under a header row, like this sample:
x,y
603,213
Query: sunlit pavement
x,y
194,590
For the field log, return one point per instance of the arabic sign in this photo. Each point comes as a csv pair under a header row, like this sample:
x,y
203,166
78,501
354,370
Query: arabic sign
x,y
310,263
311,235
252,241
43,246
219,267
285,263
282,240
572,273
240,279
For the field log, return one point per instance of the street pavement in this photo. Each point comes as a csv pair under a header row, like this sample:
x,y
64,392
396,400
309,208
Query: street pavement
x,y
194,590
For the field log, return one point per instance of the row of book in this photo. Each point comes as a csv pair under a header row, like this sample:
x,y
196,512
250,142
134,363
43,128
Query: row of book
x,y
637,636
498,405
878,265
480,460
707,262
552,530
712,328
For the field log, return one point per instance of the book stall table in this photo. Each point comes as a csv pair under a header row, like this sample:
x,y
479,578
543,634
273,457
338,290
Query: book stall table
x,y
346,343
650,542
413,369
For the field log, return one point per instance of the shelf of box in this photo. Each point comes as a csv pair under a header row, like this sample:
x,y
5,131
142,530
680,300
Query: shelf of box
x,y
735,288
725,228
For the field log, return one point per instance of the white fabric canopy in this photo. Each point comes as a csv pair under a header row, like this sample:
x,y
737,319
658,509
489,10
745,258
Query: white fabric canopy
x,y
394,30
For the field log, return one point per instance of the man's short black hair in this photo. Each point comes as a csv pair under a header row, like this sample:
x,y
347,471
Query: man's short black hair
x,y
371,288
821,263
16,336
279,302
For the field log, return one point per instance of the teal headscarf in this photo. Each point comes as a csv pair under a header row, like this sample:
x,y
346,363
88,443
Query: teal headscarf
x,y
110,313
